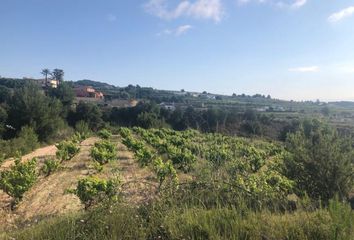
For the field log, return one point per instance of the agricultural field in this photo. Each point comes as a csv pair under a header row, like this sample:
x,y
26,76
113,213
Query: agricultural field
x,y
142,183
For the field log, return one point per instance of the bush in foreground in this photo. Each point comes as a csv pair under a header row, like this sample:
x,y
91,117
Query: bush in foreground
x,y
19,179
92,189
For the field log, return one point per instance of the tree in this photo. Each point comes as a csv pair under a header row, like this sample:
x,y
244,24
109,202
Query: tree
x,y
89,113
149,120
5,94
46,72
320,161
29,106
58,74
64,92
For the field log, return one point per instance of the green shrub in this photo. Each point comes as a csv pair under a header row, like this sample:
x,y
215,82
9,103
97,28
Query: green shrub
x,y
50,166
66,150
77,138
93,189
83,128
19,179
164,170
103,152
125,132
105,134
25,142
320,161
144,156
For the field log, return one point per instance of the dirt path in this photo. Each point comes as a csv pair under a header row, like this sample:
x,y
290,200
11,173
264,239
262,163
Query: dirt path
x,y
47,196
39,153
138,184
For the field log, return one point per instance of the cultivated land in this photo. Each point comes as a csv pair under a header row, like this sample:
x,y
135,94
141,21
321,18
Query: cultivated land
x,y
173,185
48,198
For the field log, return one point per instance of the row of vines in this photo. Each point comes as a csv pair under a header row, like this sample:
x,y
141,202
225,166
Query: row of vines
x,y
20,177
253,166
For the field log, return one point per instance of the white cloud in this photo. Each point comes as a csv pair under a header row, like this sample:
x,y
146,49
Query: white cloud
x,y
177,31
111,18
337,16
298,3
305,69
294,4
183,29
200,9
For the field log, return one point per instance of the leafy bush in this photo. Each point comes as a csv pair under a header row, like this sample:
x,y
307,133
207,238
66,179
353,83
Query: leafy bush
x,y
164,170
50,166
105,134
92,189
19,179
144,156
124,132
103,152
182,158
66,150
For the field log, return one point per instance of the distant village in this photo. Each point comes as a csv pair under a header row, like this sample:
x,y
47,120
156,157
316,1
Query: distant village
x,y
87,94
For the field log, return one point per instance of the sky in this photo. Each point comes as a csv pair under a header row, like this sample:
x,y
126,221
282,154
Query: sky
x,y
290,49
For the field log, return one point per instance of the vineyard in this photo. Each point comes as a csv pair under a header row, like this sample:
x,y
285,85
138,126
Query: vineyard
x,y
163,177
252,167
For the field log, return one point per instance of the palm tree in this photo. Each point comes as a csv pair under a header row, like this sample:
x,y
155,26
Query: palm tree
x,y
45,72
58,74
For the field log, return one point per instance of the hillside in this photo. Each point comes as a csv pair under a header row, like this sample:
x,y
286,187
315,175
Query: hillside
x,y
169,177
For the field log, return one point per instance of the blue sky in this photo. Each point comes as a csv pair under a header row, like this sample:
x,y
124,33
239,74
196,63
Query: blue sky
x,y
291,49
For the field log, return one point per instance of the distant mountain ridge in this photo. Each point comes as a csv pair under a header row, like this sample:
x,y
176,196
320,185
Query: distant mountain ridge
x,y
94,84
